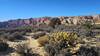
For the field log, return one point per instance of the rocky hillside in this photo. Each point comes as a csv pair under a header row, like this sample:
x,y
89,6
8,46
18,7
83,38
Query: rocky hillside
x,y
35,22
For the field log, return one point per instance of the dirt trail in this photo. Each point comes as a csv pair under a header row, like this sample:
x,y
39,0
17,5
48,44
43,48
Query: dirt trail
x,y
32,43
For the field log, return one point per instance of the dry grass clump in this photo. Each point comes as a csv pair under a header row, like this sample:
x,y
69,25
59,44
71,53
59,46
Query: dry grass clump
x,y
43,40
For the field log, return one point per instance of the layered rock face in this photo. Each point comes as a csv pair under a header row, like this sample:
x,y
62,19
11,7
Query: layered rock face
x,y
71,20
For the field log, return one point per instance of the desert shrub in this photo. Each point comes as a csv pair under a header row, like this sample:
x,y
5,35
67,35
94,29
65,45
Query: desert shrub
x,y
88,26
43,40
68,37
60,42
97,50
86,51
47,29
25,28
22,33
1,32
38,34
3,46
12,37
16,36
50,50
60,27
4,36
36,29
24,50
97,26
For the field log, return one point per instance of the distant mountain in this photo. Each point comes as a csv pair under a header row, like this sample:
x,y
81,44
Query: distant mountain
x,y
74,20
23,22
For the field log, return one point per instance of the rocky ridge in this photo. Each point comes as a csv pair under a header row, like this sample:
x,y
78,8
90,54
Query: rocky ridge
x,y
35,22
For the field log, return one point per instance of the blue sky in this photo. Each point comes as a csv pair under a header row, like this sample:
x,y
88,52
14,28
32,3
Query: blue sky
x,y
13,9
